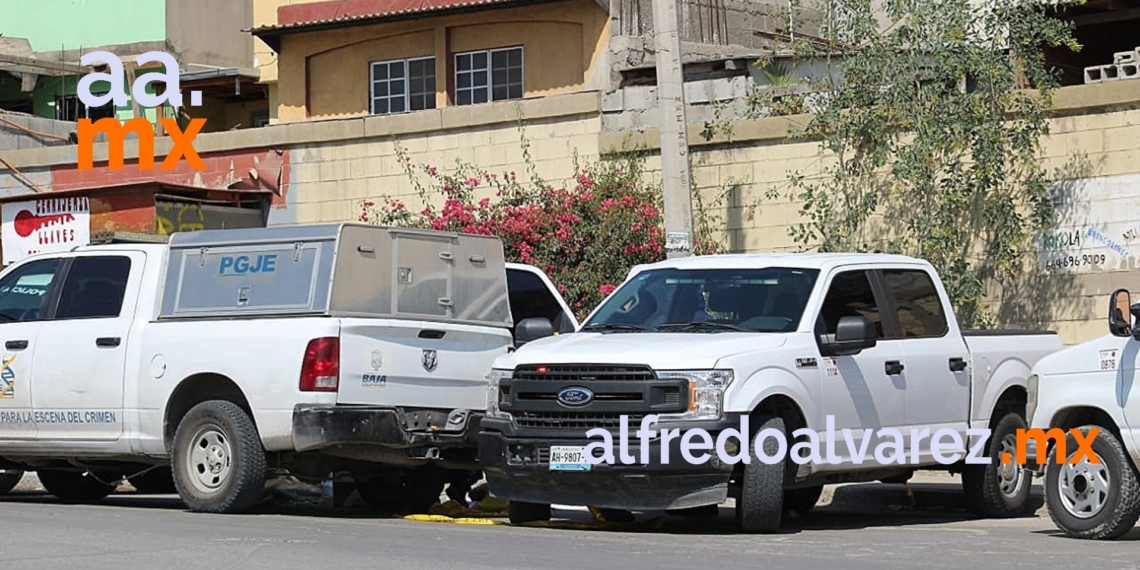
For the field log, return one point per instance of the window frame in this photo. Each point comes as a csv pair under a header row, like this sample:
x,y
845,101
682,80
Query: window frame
x,y
887,319
893,307
51,293
65,273
405,62
489,88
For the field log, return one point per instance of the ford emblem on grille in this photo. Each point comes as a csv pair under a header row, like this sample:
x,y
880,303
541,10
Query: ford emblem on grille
x,y
575,396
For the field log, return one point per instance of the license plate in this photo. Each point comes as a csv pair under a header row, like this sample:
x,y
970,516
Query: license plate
x,y
568,458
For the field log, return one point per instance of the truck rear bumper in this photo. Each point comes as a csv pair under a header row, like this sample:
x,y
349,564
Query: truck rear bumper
x,y
322,427
518,469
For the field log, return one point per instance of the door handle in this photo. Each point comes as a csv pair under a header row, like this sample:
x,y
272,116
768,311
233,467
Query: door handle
x,y
957,364
16,344
894,368
107,341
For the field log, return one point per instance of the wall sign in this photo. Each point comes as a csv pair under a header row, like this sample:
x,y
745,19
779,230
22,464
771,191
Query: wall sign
x,y
46,225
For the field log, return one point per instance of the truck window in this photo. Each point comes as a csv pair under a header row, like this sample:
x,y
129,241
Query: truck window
x,y
24,291
94,288
530,297
920,311
850,295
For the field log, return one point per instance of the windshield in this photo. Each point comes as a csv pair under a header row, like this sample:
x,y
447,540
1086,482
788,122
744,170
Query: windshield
x,y
751,300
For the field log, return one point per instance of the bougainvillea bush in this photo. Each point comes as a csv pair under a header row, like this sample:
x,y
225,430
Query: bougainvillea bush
x,y
585,235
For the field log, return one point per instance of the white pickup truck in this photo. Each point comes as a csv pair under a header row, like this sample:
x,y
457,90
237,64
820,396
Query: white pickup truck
x,y
787,340
1092,484
226,357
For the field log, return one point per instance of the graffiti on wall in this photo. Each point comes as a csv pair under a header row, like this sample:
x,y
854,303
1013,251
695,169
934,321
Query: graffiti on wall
x,y
1097,227
173,217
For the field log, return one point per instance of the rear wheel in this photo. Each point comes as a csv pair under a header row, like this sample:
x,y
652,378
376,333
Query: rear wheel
x,y
760,507
1098,501
9,478
520,513
74,487
997,489
218,461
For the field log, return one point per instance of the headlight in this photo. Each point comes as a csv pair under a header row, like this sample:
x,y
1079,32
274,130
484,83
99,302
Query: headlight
x,y
706,393
494,379
1030,398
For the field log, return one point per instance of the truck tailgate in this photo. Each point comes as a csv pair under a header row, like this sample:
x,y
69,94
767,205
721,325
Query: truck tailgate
x,y
398,363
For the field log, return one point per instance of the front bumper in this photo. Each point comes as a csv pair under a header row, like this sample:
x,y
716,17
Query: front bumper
x,y
517,468
322,427
1031,463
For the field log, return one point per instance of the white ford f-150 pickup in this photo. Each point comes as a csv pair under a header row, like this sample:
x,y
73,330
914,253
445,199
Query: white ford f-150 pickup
x,y
1084,421
816,342
224,357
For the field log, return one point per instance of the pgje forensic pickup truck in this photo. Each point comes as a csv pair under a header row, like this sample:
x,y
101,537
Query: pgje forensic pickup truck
x,y
1084,413
225,357
868,340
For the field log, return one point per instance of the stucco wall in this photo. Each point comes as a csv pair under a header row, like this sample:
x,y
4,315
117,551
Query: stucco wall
x,y
325,74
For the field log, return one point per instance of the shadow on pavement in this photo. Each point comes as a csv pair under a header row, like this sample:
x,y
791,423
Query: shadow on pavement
x,y
855,506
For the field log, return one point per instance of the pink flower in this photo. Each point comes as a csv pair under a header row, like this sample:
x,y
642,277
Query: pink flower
x,y
607,288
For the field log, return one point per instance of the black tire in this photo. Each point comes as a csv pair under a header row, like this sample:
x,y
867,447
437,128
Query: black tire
x,y
9,478
760,508
73,487
802,500
158,481
998,490
401,491
218,462
1119,503
519,513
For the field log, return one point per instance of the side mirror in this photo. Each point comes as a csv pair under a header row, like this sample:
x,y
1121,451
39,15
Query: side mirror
x,y
532,328
1120,313
852,336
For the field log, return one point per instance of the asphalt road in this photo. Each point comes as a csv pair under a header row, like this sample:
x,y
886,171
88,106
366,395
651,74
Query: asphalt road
x,y
873,526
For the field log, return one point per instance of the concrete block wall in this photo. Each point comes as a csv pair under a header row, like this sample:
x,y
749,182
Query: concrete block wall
x,y
329,181
1094,142
14,138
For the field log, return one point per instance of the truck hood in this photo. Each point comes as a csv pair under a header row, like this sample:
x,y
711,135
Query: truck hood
x,y
1083,358
661,351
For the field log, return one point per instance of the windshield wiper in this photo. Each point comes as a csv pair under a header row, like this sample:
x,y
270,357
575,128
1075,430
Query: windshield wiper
x,y
612,327
702,325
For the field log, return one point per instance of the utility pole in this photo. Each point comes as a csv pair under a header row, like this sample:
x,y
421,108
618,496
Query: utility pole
x,y
675,176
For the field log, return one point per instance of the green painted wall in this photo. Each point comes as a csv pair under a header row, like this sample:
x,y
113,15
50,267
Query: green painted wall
x,y
75,24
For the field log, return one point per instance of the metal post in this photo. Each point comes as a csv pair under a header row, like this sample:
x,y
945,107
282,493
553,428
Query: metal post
x,y
675,176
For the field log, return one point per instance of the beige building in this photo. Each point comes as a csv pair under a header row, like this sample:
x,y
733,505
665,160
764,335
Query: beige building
x,y
331,150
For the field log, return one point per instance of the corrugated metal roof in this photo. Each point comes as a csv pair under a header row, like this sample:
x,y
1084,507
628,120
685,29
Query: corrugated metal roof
x,y
296,18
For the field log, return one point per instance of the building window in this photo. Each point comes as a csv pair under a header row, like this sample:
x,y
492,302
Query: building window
x,y
490,75
403,85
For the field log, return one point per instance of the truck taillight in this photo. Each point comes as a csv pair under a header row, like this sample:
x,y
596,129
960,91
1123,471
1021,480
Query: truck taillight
x,y
321,369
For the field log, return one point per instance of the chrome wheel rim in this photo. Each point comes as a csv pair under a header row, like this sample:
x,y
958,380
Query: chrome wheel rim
x,y
1083,487
210,460
1011,476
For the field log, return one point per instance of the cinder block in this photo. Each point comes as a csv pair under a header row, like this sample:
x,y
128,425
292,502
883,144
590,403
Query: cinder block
x,y
1124,57
1128,70
1100,73
612,101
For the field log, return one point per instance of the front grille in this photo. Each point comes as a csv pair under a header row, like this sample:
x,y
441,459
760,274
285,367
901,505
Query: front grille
x,y
575,420
584,373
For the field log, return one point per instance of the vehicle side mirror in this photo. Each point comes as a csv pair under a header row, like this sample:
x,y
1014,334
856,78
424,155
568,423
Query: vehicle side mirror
x,y
532,328
1120,313
853,335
